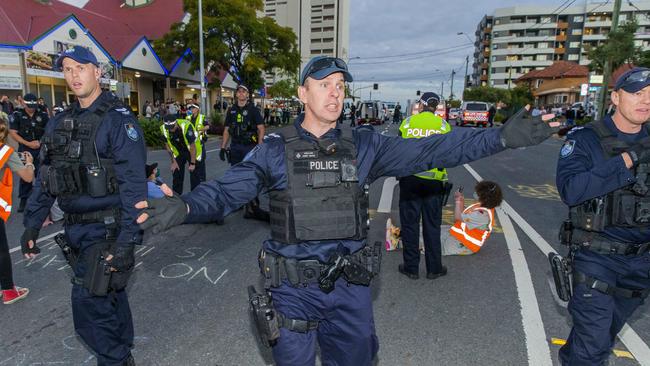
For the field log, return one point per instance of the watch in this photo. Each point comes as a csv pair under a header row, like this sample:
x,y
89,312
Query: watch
x,y
192,163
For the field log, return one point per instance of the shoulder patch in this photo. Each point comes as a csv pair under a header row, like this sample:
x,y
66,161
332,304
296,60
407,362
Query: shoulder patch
x,y
567,148
131,131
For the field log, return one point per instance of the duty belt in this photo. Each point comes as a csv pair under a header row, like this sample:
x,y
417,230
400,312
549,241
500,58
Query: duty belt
x,y
597,243
606,288
109,217
297,325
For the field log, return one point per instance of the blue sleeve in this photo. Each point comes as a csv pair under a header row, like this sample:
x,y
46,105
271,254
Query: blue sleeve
x,y
229,118
380,155
190,135
581,172
257,117
263,168
129,158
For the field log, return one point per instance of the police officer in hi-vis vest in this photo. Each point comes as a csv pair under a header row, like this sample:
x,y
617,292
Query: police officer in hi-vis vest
x,y
421,196
201,128
183,146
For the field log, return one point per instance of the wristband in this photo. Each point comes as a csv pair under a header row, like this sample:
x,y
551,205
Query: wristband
x,y
192,163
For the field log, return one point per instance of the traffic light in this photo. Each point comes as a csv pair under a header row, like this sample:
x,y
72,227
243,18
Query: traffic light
x,y
375,86
417,93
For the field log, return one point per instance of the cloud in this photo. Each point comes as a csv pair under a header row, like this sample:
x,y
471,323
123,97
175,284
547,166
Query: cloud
x,y
401,44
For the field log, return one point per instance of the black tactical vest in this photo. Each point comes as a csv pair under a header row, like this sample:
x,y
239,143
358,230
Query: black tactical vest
x,y
323,200
628,206
31,128
75,168
242,130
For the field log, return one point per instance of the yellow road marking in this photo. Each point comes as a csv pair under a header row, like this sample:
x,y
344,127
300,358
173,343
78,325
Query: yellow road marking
x,y
617,352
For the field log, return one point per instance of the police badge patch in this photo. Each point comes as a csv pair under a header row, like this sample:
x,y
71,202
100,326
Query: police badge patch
x,y
567,148
131,131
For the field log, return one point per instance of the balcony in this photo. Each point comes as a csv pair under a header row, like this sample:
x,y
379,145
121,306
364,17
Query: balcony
x,y
486,53
484,77
485,65
560,51
486,42
563,25
560,38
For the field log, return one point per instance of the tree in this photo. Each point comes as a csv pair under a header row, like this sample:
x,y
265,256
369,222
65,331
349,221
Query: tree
x,y
284,89
619,48
486,94
235,40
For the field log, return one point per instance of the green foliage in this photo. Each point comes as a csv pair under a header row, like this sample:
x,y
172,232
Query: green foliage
x,y
454,103
151,129
486,94
235,40
217,118
284,89
520,96
499,117
619,48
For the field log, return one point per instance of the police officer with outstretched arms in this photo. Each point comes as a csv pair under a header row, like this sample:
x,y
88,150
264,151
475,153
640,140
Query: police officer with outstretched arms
x,y
26,126
93,163
602,175
318,264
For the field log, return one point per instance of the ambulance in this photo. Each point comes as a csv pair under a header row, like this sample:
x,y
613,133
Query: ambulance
x,y
474,113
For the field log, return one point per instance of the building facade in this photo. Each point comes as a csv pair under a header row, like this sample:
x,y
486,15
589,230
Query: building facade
x,y
321,26
526,38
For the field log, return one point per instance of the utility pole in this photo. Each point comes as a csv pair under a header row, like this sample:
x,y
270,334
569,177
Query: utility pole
x,y
202,62
607,68
509,76
451,94
465,80
442,90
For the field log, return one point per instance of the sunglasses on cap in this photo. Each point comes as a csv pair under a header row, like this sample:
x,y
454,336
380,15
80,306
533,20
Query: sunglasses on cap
x,y
326,63
636,77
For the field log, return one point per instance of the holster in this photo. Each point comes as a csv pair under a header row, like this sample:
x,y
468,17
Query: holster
x,y
561,269
99,279
264,316
70,254
446,192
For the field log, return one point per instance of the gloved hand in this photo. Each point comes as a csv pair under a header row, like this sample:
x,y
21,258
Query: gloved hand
x,y
222,154
524,130
640,152
28,243
162,213
123,259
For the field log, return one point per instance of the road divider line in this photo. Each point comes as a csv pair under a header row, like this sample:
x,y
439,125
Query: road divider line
x,y
627,335
386,200
537,347
46,237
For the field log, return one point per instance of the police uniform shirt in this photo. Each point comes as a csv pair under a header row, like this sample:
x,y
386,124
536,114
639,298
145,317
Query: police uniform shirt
x,y
35,124
120,138
249,116
584,172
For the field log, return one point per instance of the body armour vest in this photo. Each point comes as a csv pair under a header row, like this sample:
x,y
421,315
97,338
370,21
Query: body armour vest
x,y
31,128
323,200
75,167
628,206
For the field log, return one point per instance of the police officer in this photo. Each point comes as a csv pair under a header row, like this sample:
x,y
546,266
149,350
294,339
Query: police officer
x,y
421,196
184,146
602,177
26,127
245,126
94,163
318,176
197,119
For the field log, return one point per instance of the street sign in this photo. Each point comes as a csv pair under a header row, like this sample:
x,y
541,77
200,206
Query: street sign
x,y
594,88
596,79
584,89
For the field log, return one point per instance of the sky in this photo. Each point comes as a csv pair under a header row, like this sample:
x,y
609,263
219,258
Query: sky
x,y
411,45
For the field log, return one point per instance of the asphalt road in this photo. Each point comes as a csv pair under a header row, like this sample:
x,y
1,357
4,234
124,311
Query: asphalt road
x,y
189,301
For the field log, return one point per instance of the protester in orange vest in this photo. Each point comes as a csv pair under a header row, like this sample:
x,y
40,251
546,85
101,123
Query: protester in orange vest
x,y
10,161
474,224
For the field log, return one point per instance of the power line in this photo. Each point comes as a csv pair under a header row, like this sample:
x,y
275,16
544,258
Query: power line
x,y
411,53
448,51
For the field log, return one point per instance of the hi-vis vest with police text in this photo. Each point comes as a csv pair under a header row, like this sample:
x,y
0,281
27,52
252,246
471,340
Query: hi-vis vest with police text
x,y
199,124
323,200
184,124
6,182
422,125
473,239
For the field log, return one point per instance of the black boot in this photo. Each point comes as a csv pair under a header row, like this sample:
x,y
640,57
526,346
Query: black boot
x,y
130,361
21,206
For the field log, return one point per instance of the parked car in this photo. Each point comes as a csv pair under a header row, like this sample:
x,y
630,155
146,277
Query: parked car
x,y
475,113
370,111
453,114
441,110
390,106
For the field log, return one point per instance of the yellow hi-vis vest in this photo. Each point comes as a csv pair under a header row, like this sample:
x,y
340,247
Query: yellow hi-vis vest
x,y
422,125
6,182
199,124
185,125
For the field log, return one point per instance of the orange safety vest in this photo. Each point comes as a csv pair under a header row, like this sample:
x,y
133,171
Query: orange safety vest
x,y
473,239
6,183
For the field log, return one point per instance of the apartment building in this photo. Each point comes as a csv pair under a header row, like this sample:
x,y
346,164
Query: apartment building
x,y
322,26
520,39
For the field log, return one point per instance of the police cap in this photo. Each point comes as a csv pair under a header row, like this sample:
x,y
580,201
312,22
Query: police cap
x,y
78,53
633,80
321,67
429,98
31,101
169,119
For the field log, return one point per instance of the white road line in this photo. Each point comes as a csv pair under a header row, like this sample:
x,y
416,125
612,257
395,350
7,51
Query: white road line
x,y
537,347
207,151
627,335
386,200
15,249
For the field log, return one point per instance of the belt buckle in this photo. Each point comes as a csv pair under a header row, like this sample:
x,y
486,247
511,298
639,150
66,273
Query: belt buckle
x,y
308,270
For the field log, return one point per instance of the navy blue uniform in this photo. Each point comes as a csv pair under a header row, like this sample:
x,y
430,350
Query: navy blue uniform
x,y
30,129
245,118
346,331
104,323
585,172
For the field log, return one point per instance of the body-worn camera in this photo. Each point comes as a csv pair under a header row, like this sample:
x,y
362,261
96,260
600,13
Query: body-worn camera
x,y
348,171
96,178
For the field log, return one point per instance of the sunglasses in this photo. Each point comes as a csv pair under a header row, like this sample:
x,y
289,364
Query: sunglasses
x,y
326,63
636,77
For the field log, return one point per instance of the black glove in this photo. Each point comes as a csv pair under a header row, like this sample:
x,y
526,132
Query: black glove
x,y
29,234
222,154
164,213
523,130
123,259
640,152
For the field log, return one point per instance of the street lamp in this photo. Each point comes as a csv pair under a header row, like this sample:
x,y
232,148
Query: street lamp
x,y
466,62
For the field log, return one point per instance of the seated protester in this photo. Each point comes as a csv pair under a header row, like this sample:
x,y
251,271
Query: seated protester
x,y
153,181
474,224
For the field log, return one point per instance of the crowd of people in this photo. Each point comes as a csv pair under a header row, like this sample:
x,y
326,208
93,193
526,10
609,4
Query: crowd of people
x,y
316,176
